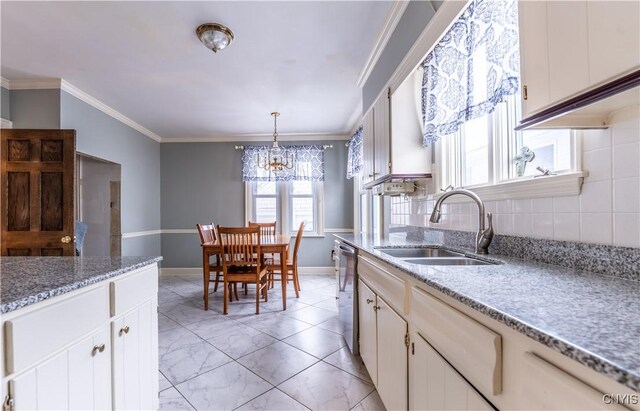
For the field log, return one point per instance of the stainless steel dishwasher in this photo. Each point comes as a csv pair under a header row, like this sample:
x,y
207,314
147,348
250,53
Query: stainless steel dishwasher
x,y
347,279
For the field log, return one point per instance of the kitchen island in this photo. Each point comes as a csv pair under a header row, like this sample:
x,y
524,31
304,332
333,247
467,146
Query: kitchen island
x,y
520,333
79,332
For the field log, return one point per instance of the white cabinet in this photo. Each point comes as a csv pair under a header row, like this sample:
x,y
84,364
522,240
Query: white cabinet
x,y
134,337
368,144
436,385
382,152
93,348
79,377
383,347
570,47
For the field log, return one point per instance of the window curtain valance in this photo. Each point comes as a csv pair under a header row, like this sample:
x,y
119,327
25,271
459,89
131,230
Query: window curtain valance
x,y
354,156
473,67
308,164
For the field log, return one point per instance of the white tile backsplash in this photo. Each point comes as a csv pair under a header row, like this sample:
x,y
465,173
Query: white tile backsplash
x,y
606,212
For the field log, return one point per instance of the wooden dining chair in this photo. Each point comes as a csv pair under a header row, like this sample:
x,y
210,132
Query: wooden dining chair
x,y
292,265
241,262
265,228
207,233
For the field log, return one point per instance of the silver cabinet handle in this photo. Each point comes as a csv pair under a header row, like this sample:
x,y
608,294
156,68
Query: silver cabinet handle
x,y
97,348
124,330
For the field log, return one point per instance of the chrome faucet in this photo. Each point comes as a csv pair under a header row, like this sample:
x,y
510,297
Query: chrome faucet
x,y
483,237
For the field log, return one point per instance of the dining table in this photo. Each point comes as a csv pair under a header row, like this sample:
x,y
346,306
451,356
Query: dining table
x,y
269,244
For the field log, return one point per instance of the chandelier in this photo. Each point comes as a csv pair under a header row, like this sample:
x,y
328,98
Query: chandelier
x,y
277,158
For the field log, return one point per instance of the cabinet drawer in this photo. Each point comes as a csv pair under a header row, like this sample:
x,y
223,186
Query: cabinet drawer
x,y
473,349
383,282
551,388
131,291
33,336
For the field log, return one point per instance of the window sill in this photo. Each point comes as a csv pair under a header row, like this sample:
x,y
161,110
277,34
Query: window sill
x,y
551,186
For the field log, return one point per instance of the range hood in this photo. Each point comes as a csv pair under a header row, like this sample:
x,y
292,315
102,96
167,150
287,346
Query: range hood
x,y
591,109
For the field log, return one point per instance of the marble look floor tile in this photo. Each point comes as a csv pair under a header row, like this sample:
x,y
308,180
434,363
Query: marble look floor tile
x,y
332,324
224,388
348,362
163,383
172,400
316,341
176,338
279,326
313,315
311,297
371,403
274,400
325,387
216,325
165,323
328,304
328,290
188,314
277,362
241,340
187,362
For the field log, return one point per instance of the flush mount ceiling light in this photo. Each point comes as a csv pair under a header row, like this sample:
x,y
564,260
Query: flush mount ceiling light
x,y
215,36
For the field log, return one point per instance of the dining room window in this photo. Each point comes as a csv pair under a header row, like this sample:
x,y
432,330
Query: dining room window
x,y
288,203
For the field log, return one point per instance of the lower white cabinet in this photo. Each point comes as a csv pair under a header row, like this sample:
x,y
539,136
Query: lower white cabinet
x,y
76,378
135,358
383,347
436,385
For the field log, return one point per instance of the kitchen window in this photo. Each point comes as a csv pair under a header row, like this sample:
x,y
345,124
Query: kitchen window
x,y
288,203
483,151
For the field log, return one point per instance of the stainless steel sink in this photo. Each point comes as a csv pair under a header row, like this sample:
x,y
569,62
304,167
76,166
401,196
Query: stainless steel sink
x,y
418,252
447,261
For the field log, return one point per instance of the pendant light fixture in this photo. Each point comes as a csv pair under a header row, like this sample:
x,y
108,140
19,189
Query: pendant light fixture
x,y
214,36
277,158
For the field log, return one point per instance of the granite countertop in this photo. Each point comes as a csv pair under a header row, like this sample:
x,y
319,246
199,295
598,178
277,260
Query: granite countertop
x,y
591,318
28,280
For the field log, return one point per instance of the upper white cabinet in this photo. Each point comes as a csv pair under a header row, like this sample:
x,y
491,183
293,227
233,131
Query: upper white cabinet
x,y
570,47
392,135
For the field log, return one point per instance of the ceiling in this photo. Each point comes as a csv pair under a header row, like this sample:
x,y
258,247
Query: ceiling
x,y
143,59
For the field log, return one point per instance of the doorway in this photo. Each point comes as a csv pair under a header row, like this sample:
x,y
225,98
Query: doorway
x,y
97,207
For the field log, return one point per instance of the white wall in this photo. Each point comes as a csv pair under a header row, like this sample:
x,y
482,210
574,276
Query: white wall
x,y
606,212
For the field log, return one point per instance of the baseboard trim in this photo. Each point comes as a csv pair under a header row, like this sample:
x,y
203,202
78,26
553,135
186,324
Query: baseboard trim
x,y
198,271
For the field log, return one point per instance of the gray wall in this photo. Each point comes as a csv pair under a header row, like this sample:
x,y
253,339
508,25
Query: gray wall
x,y
5,108
202,182
411,24
102,136
35,108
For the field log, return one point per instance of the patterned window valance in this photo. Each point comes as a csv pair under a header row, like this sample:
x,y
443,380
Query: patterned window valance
x,y
354,158
308,164
473,67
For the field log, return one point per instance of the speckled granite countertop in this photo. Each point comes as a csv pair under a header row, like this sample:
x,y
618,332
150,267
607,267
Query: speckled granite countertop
x,y
591,318
28,280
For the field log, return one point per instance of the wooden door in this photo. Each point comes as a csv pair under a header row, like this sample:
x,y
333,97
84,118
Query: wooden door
x,y
37,192
392,357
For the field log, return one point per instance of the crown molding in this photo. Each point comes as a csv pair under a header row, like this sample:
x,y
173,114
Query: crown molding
x,y
390,23
257,138
34,84
4,83
81,95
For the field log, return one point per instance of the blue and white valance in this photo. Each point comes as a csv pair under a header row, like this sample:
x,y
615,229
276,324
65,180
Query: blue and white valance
x,y
308,164
473,67
354,156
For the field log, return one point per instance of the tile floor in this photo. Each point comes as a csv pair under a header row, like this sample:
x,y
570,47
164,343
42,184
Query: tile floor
x,y
277,360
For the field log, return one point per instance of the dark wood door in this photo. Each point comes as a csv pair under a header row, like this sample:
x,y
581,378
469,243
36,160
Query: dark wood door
x,y
37,192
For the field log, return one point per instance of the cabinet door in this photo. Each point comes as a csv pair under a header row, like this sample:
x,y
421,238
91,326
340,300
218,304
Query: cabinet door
x,y
368,147
436,385
392,357
368,331
534,63
614,39
77,378
135,358
382,137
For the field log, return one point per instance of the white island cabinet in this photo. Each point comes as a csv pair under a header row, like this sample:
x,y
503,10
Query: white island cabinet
x,y
92,348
